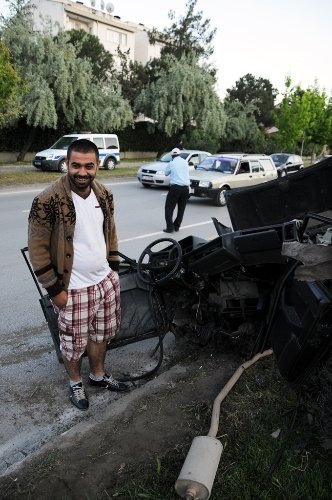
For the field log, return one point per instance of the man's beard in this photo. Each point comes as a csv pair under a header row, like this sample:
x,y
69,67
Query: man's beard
x,y
81,182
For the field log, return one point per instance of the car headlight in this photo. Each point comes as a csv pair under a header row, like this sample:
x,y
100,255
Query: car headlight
x,y
52,157
205,184
160,172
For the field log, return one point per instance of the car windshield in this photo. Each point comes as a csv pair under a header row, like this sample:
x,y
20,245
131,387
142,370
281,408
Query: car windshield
x,y
167,157
63,143
223,165
279,159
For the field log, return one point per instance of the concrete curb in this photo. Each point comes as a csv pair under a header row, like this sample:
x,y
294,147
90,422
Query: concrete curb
x,y
117,408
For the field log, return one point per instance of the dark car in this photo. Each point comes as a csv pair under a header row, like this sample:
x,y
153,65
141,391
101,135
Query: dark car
x,y
287,163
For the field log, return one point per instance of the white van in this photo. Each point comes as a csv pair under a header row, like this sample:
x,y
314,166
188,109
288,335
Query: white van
x,y
54,158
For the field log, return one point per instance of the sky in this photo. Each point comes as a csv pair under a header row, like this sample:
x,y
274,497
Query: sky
x,y
267,38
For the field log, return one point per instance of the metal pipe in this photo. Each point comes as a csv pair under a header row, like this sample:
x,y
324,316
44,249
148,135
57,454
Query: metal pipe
x,y
198,472
225,390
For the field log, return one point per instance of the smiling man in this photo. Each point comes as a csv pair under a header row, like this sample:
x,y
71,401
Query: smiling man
x,y
73,249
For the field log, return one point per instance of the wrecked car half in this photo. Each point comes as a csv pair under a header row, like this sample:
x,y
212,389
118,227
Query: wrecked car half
x,y
265,282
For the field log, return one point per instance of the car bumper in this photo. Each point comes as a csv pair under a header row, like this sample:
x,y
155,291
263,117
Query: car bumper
x,y
153,179
46,164
203,192
288,170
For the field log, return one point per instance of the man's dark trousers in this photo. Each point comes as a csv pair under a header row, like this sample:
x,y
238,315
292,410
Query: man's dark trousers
x,y
177,195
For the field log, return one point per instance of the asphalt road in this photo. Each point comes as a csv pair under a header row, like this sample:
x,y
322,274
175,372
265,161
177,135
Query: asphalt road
x,y
35,407
139,216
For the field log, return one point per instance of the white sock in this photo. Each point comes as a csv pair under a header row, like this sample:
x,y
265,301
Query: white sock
x,y
96,378
74,382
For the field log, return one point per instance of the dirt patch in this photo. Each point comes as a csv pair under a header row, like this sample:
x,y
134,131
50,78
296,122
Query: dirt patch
x,y
87,461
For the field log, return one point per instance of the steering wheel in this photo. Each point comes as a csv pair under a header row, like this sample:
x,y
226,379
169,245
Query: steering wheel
x,y
160,265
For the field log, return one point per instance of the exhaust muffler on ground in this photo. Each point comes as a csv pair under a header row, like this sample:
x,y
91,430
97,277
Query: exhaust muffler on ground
x,y
199,470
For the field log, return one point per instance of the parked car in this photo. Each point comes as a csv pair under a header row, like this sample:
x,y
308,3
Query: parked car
x,y
153,174
54,158
287,163
219,173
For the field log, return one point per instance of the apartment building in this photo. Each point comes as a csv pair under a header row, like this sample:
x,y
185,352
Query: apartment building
x,y
97,18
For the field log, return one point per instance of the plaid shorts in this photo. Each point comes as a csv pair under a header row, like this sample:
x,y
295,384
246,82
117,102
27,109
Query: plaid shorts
x,y
90,313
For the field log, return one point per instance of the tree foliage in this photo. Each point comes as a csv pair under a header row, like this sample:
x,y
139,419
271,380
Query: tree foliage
x,y
328,128
241,132
187,38
11,88
70,82
304,116
61,87
257,91
189,35
181,99
132,76
64,90
316,111
89,47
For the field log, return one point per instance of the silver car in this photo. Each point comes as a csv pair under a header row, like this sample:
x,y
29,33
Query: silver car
x,y
153,174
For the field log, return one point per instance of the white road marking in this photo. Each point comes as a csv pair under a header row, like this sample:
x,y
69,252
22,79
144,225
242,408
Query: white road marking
x,y
148,235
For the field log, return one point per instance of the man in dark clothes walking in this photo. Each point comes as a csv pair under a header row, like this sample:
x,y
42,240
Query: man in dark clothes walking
x,y
178,193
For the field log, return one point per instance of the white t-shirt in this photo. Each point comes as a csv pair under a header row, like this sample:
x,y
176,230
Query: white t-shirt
x,y
90,264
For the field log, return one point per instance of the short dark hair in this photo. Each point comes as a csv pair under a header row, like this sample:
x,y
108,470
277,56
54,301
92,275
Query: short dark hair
x,y
83,146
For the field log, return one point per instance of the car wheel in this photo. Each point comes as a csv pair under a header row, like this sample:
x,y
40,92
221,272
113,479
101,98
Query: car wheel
x,y
62,167
109,164
220,200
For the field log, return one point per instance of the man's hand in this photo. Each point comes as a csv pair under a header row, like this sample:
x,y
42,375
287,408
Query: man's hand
x,y
60,300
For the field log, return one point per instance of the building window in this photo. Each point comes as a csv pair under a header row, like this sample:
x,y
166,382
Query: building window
x,y
112,36
116,37
123,39
77,24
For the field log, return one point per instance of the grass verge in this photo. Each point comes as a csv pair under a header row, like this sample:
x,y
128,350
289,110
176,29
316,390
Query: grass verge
x,y
20,177
272,447
274,442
